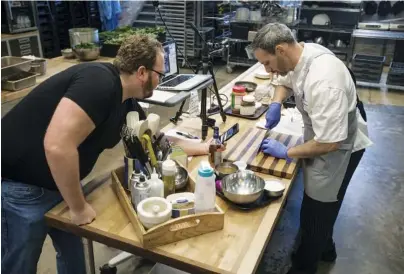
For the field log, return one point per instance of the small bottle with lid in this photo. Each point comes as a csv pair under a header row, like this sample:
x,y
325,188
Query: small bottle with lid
x,y
205,189
237,97
215,149
169,171
156,185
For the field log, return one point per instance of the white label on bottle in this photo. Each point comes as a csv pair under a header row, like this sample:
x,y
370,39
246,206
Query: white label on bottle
x,y
237,101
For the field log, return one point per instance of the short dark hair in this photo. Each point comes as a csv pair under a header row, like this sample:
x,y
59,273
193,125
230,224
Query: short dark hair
x,y
271,35
136,51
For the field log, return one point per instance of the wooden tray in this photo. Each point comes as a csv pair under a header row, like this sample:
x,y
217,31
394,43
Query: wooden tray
x,y
258,113
171,231
245,147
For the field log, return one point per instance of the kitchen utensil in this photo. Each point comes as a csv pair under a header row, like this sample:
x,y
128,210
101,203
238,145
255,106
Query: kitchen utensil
x,y
242,14
319,40
68,53
262,201
245,147
255,15
321,19
18,81
241,165
243,187
154,123
83,35
384,8
249,86
87,54
154,211
258,113
141,128
11,65
225,168
147,145
38,66
181,177
340,44
132,117
274,188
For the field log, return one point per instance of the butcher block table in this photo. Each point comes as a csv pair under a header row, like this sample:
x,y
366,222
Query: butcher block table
x,y
235,249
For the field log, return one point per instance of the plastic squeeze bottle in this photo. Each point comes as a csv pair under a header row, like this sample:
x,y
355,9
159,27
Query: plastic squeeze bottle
x,y
205,190
169,171
156,185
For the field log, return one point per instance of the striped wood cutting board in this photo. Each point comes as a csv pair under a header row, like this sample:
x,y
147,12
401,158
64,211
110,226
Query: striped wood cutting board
x,y
245,148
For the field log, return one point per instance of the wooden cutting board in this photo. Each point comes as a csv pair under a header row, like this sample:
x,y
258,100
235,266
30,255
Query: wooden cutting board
x,y
245,148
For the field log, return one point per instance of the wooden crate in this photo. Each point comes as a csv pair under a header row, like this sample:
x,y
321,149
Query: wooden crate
x,y
171,231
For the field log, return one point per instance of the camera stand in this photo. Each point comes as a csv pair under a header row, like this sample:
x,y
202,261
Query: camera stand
x,y
207,67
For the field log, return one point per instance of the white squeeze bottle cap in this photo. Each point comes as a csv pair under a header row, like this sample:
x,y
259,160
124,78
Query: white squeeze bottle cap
x,y
154,176
156,185
205,170
169,167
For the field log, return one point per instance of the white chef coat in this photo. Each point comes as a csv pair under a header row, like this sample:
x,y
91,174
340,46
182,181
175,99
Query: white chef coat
x,y
329,95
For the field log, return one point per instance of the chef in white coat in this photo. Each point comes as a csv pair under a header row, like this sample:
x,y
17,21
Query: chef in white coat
x,y
335,133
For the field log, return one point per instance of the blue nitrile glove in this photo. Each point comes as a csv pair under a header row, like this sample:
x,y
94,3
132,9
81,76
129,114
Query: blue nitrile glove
x,y
273,115
275,148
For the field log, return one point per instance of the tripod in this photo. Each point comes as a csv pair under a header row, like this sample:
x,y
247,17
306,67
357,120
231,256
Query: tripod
x,y
206,65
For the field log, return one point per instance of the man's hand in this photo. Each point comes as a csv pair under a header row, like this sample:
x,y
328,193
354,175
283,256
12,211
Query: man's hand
x,y
84,216
275,148
273,115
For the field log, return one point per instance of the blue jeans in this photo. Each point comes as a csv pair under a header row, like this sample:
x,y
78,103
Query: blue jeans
x,y
23,231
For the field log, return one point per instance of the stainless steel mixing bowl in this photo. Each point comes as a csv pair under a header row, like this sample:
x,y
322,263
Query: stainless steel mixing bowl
x,y
243,187
181,178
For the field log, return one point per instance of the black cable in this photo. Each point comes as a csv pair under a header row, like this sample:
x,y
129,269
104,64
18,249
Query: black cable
x,y
169,33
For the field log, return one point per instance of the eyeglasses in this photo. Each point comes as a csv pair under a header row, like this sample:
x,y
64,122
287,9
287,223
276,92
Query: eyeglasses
x,y
161,75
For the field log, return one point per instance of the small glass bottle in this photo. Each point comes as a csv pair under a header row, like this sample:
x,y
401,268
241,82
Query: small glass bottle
x,y
215,149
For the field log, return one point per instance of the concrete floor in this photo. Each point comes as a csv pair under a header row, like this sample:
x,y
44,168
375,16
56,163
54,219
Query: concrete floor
x,y
370,228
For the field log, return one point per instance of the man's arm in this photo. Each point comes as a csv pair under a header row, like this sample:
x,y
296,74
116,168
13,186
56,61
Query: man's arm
x,y
68,128
280,94
311,149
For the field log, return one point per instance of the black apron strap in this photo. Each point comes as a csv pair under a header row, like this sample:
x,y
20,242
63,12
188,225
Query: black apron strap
x,y
359,103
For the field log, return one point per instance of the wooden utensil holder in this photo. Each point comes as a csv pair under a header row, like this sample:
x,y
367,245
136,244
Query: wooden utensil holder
x,y
171,231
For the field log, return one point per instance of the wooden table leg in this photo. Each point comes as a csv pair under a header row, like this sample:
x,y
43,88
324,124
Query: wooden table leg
x,y
89,255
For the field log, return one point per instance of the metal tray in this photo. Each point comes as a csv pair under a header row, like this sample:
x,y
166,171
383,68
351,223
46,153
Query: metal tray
x,y
11,65
258,113
18,81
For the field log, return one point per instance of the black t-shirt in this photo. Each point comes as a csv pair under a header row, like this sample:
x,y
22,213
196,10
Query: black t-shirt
x,y
96,88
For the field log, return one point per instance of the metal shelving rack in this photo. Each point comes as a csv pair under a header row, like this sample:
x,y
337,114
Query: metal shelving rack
x,y
334,30
249,60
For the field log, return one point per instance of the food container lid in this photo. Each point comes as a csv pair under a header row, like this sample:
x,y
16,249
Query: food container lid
x,y
154,207
239,89
249,99
169,167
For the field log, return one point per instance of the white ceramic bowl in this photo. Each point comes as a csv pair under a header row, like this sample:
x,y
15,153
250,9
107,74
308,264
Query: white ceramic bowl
x,y
154,211
274,188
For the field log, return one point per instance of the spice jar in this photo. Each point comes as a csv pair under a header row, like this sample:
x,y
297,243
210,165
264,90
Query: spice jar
x,y
247,105
237,97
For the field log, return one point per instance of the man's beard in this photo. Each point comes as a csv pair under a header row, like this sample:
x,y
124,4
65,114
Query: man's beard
x,y
148,88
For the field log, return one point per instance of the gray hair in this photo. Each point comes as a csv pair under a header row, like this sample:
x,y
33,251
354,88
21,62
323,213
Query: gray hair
x,y
271,35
